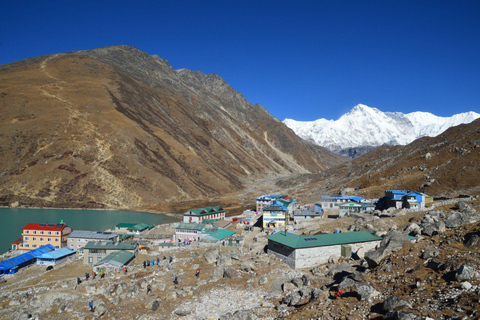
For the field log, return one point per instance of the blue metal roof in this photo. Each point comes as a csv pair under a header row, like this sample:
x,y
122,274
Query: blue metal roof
x,y
58,254
25,257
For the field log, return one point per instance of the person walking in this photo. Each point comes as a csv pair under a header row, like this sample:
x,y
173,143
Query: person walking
x,y
125,270
153,262
338,294
87,276
144,264
90,304
170,259
102,274
158,260
149,289
197,273
94,275
175,280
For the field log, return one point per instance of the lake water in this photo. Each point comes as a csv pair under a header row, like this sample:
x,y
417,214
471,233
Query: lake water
x,y
14,219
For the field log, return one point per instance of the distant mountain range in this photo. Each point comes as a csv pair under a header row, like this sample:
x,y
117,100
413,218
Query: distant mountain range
x,y
364,128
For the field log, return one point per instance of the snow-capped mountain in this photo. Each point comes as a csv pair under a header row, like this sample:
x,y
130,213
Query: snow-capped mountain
x,y
366,126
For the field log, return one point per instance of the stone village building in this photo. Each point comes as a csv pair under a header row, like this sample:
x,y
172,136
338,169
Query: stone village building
x,y
313,250
267,200
132,228
307,212
96,251
198,215
274,216
334,201
54,257
79,238
355,207
403,199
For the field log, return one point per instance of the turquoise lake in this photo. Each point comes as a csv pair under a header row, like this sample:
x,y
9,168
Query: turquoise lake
x,y
14,219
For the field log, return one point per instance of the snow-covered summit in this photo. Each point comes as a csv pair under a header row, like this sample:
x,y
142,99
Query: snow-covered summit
x,y
366,126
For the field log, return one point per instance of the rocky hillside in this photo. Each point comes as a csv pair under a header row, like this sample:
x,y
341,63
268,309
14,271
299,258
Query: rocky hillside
x,y
442,166
117,128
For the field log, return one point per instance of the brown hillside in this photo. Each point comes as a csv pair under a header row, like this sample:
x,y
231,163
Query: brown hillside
x,y
117,128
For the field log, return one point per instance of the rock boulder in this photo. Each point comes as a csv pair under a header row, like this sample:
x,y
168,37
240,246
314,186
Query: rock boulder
x,y
392,242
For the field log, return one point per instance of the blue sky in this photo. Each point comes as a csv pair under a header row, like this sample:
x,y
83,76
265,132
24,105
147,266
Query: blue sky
x,y
299,59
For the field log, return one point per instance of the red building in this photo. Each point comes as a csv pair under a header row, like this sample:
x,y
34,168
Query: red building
x,y
36,235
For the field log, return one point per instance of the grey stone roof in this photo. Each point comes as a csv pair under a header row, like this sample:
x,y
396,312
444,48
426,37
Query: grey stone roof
x,y
94,235
111,246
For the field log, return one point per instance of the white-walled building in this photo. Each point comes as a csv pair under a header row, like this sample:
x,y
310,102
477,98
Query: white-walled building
x,y
197,215
79,238
310,251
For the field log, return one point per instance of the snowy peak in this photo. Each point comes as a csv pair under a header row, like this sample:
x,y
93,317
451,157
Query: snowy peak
x,y
366,126
362,110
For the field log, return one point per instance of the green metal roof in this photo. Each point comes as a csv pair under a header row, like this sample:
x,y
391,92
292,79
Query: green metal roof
x,y
142,226
211,221
275,208
135,226
125,225
110,245
321,240
283,202
117,258
190,226
221,234
204,211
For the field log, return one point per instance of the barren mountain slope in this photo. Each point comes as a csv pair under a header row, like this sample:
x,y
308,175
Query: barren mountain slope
x,y
446,165
115,127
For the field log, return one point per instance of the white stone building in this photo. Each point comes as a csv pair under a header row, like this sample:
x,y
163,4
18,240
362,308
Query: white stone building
x,y
310,251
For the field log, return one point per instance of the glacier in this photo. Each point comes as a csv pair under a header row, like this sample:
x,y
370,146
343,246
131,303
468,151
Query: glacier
x,y
366,126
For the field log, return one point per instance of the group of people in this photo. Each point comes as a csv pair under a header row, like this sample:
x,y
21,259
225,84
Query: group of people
x,y
151,263
94,275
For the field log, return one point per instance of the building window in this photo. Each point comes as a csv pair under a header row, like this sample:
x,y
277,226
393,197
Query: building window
x,y
49,239
41,232
26,238
34,245
57,247
34,232
26,245
26,231
56,239
34,238
49,232
41,239
56,233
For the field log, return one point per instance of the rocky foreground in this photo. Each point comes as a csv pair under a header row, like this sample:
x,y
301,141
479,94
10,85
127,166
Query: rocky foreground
x,y
434,277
